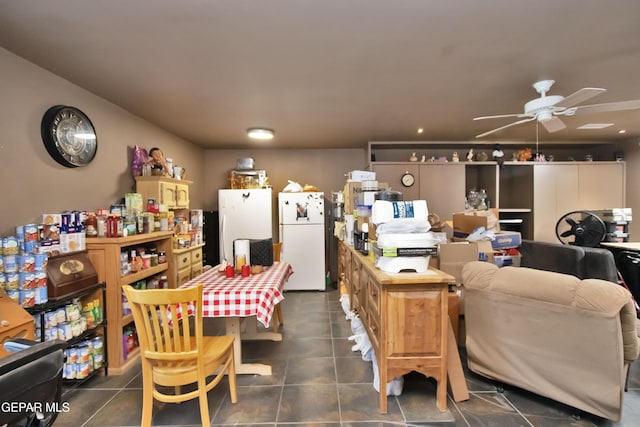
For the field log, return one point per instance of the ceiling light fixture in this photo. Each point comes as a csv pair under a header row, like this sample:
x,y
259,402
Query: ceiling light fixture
x,y
260,133
595,126
622,131
420,130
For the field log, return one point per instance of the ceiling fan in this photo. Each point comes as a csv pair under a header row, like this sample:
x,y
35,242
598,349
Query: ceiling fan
x,y
546,108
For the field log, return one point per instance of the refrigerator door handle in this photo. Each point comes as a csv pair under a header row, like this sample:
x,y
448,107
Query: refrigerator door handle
x,y
223,228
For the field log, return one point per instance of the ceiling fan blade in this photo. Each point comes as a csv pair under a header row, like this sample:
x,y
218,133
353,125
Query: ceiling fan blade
x,y
579,96
553,124
502,116
528,119
604,108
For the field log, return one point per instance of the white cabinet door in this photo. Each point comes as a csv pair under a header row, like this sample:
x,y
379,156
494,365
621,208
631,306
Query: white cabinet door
x,y
602,185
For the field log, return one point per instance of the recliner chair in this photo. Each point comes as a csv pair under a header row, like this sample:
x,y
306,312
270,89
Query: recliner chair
x,y
31,385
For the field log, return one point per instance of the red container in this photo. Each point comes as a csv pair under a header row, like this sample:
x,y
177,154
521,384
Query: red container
x,y
229,271
246,270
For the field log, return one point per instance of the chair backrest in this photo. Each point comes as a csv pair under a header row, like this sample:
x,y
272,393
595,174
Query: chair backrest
x,y
277,248
155,312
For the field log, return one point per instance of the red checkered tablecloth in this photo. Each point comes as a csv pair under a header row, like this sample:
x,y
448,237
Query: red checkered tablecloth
x,y
239,296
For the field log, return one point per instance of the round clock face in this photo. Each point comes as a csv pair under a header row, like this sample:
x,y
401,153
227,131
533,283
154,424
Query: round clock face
x,y
69,136
408,179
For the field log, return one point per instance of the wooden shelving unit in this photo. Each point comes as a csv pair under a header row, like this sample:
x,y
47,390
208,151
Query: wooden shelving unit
x,y
104,254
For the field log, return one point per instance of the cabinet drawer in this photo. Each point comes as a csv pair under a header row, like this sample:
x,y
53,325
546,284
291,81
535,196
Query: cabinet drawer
x,y
183,260
373,297
196,269
373,329
196,256
183,277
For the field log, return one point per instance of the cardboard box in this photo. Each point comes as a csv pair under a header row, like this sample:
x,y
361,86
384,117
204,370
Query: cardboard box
x,y
507,240
464,223
506,260
454,255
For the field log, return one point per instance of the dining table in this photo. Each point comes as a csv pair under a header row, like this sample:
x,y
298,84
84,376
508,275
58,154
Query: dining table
x,y
244,301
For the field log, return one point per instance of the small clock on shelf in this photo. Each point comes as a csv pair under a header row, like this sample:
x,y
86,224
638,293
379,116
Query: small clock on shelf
x,y
69,136
408,179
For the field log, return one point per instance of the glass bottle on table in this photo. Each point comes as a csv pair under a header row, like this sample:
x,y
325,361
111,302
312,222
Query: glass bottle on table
x,y
241,260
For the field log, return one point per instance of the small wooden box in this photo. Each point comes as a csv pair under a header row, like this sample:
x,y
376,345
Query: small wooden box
x,y
15,322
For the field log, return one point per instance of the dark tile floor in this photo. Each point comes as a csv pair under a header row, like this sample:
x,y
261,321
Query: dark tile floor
x,y
318,381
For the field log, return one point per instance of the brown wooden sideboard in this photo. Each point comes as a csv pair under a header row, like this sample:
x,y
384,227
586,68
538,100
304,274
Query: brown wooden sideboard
x,y
405,315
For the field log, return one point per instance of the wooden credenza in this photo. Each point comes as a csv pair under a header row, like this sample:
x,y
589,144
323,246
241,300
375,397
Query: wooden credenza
x,y
405,315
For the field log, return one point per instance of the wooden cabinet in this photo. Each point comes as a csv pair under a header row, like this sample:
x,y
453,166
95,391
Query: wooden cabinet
x,y
104,254
560,188
173,193
188,263
405,316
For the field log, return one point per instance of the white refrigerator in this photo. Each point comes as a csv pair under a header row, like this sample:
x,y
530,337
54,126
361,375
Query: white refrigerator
x,y
302,233
243,214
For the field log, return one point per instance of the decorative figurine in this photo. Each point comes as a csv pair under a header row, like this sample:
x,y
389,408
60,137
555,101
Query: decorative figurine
x,y
470,155
423,158
413,157
455,158
483,157
498,155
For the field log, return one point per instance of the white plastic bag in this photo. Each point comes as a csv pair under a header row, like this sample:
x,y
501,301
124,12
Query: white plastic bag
x,y
292,187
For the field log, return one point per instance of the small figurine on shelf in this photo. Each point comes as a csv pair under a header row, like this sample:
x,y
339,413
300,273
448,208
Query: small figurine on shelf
x,y
483,157
159,165
423,159
470,155
413,157
455,158
498,155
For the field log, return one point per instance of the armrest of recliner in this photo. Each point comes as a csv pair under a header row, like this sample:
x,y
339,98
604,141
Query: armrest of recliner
x,y
36,351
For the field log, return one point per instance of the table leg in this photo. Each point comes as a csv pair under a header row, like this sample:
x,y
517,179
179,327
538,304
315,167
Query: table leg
x,y
233,328
251,332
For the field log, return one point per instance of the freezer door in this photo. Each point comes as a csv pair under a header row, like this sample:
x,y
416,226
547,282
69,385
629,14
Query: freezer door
x,y
243,214
303,248
301,208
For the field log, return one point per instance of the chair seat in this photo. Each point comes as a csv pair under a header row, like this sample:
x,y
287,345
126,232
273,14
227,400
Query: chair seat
x,y
171,373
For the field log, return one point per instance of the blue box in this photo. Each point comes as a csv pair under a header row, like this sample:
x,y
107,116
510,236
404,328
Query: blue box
x,y
506,240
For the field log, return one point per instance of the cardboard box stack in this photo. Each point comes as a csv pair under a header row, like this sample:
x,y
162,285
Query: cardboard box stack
x,y
503,250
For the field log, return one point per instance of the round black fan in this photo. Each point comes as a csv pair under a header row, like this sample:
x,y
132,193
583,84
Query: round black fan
x,y
581,228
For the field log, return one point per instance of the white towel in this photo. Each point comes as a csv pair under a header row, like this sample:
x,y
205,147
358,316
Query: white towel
x,y
411,210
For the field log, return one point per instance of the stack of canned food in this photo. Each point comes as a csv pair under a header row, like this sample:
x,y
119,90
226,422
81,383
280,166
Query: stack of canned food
x,y
69,321
23,275
83,358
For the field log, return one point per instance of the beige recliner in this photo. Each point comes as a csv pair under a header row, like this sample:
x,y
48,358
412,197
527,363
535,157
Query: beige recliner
x,y
553,334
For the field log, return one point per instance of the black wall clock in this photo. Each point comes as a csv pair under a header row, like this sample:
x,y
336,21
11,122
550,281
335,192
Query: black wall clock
x,y
69,136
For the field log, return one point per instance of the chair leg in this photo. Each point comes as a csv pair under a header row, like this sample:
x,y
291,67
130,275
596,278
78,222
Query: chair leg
x,y
147,401
231,373
204,402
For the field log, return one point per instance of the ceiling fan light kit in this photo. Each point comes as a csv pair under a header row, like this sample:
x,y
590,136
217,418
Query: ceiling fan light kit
x,y
546,109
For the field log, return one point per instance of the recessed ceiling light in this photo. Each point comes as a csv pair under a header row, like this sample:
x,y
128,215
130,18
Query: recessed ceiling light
x,y
420,130
622,131
260,133
595,126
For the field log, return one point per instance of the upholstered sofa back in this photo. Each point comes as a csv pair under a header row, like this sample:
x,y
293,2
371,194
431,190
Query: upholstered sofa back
x,y
582,262
553,334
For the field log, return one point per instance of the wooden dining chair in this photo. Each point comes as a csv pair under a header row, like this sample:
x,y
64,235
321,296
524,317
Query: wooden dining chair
x,y
174,352
277,310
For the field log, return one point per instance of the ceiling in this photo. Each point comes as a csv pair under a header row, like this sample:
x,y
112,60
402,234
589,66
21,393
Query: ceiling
x,y
336,73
